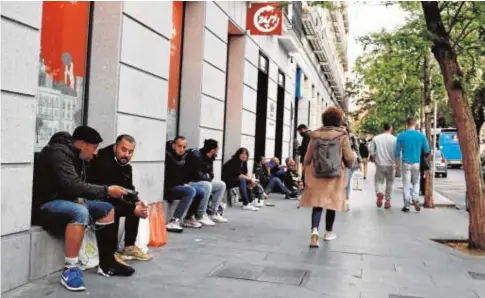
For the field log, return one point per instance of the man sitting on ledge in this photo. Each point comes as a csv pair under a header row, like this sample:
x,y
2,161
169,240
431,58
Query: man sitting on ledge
x,y
61,196
112,166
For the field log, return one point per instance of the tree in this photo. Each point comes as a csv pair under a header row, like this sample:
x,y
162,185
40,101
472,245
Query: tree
x,y
444,49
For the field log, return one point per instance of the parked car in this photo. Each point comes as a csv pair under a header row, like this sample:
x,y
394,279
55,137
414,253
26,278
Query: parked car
x,y
440,164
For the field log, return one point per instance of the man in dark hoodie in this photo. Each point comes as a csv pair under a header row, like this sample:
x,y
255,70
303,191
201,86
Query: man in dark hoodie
x,y
200,167
177,187
112,166
62,199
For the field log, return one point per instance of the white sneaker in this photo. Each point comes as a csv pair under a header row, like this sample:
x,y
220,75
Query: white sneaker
x,y
257,204
174,226
329,236
219,218
314,238
191,223
249,207
206,221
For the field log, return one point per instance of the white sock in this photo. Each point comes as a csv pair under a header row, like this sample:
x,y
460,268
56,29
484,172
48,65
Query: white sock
x,y
71,262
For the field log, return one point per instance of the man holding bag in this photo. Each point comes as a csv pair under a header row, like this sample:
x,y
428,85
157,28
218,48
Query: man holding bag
x,y
111,166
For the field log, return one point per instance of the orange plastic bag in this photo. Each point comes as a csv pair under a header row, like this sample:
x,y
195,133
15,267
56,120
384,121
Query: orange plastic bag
x,y
158,232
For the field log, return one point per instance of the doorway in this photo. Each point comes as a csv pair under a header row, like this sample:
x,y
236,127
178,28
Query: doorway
x,y
280,115
261,107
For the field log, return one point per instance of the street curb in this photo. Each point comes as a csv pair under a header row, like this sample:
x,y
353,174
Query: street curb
x,y
441,201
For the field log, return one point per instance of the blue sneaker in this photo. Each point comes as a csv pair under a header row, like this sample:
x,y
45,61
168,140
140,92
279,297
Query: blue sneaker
x,y
72,279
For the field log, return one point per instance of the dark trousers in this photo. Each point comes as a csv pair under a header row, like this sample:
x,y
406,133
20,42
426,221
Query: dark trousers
x,y
126,209
246,193
329,218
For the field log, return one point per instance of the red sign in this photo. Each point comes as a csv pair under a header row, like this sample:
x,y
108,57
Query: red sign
x,y
264,18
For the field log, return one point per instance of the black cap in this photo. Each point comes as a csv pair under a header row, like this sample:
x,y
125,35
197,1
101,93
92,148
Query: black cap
x,y
87,134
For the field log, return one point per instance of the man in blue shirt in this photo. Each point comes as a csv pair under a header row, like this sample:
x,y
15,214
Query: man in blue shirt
x,y
409,146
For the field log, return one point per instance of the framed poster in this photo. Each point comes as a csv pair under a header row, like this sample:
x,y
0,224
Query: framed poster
x,y
62,70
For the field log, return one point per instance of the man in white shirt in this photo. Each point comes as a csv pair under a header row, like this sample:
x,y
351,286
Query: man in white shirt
x,y
382,152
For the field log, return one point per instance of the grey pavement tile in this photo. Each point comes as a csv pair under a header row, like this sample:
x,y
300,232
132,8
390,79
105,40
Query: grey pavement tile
x,y
436,292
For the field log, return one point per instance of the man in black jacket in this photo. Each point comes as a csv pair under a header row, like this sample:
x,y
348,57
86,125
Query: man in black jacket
x,y
62,199
112,166
200,167
305,133
178,187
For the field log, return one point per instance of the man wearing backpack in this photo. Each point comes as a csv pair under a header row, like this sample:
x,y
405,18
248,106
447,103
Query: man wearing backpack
x,y
326,162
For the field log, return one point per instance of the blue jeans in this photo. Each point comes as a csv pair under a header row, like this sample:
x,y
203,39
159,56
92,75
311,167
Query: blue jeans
x,y
275,181
410,180
245,194
185,194
203,190
79,213
349,182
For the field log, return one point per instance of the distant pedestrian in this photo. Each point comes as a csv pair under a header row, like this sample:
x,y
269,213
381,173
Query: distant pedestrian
x,y
354,145
410,145
305,134
364,153
325,165
382,151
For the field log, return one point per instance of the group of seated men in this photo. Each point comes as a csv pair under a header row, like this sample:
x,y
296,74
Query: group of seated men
x,y
75,188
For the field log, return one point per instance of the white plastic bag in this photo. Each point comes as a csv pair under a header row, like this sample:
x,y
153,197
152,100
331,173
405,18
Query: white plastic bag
x,y
88,254
143,236
358,181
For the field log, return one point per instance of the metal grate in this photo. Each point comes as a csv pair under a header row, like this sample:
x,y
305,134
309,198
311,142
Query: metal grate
x,y
477,275
294,277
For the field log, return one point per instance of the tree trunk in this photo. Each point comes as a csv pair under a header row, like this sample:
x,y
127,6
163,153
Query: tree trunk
x,y
428,188
453,76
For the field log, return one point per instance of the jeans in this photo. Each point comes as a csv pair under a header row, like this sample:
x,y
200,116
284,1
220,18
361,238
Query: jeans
x,y
245,194
329,218
126,209
78,213
218,190
410,180
204,190
349,182
275,181
384,174
186,194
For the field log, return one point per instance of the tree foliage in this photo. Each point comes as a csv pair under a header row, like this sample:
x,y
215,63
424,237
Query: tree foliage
x,y
392,65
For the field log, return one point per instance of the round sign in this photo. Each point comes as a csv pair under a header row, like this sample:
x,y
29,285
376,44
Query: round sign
x,y
266,19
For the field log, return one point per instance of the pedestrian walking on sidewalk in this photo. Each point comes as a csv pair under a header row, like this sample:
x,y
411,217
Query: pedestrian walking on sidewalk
x,y
354,145
325,165
410,145
364,153
382,151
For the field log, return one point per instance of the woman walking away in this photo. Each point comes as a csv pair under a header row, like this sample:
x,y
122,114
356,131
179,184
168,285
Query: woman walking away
x,y
235,174
326,162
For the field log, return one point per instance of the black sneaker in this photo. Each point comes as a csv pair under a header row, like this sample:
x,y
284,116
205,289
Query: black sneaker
x,y
405,209
115,269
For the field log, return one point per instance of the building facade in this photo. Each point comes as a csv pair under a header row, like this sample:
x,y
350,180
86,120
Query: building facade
x,y
154,70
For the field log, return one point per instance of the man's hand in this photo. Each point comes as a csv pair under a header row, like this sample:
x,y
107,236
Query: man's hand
x,y
360,166
253,183
116,191
141,210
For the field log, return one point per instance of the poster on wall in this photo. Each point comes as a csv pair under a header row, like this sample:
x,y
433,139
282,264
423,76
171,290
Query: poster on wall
x,y
264,18
174,72
62,71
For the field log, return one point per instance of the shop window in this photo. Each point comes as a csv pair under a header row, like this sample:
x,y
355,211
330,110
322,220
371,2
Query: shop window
x,y
62,71
174,74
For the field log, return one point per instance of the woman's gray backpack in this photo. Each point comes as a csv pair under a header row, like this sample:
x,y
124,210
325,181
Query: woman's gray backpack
x,y
327,157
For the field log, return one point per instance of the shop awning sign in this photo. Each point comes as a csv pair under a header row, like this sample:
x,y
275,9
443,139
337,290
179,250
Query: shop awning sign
x,y
265,18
